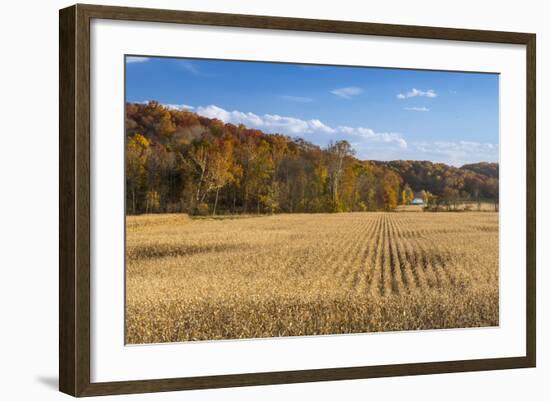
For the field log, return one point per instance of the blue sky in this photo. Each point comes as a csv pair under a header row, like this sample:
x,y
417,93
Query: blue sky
x,y
386,114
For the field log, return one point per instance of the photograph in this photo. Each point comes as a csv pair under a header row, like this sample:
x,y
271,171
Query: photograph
x,y
273,199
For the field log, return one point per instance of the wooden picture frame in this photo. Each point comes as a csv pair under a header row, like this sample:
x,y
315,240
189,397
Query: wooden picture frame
x,y
74,199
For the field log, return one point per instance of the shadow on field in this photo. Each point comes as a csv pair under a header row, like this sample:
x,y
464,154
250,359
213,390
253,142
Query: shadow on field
x,y
160,251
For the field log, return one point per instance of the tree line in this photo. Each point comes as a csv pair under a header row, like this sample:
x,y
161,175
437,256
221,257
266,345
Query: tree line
x,y
179,161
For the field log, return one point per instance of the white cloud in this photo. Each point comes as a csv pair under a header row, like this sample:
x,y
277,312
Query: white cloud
x,y
189,67
136,59
170,105
369,134
417,109
193,68
293,126
348,92
298,99
416,92
179,106
267,122
458,152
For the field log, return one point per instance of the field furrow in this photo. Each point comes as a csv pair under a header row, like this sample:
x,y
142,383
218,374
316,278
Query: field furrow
x,y
361,269
308,274
401,280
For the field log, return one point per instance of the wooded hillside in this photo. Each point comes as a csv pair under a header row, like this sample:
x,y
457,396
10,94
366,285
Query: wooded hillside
x,y
178,161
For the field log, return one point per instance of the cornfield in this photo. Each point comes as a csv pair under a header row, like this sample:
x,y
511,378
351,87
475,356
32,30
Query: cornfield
x,y
309,274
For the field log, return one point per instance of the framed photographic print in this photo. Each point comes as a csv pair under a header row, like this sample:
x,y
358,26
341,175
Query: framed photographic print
x,y
250,200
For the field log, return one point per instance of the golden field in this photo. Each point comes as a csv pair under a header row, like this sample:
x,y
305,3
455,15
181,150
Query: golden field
x,y
308,274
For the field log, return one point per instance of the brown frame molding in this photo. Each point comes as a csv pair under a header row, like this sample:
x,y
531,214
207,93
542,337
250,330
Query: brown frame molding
x,y
74,199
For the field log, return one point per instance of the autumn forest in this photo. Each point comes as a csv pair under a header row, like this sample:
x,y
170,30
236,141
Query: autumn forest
x,y
179,161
